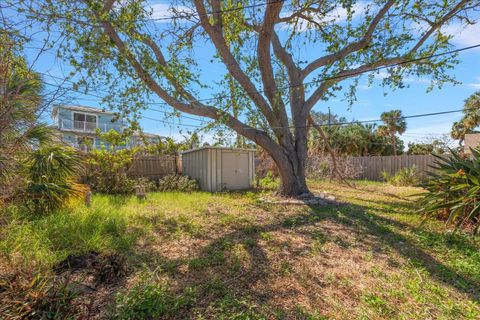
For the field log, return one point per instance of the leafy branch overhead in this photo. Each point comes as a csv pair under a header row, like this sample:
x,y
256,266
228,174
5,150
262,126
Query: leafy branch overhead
x,y
266,82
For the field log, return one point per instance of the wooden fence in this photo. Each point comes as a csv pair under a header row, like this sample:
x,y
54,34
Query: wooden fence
x,y
372,167
154,167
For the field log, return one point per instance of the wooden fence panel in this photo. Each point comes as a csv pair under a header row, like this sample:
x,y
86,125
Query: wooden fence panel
x,y
153,167
372,167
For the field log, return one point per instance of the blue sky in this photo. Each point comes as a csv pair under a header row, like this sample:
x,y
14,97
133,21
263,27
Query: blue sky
x,y
372,100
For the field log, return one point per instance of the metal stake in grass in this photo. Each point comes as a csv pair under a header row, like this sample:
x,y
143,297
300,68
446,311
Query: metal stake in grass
x,y
140,192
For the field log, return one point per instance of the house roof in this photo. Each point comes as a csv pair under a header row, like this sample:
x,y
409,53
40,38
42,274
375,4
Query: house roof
x,y
79,108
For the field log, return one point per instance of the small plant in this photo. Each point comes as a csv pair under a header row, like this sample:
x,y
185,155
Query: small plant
x,y
403,177
175,182
26,296
147,300
454,190
268,182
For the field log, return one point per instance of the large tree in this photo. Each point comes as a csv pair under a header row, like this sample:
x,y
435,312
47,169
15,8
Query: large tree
x,y
280,58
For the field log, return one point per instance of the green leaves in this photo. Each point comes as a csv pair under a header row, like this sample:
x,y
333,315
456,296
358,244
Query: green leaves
x,y
454,191
50,173
470,119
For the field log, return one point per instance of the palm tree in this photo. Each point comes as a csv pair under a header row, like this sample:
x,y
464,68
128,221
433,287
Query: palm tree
x,y
470,119
20,103
50,173
394,123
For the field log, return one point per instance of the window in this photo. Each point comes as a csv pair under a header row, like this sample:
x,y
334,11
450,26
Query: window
x,y
84,121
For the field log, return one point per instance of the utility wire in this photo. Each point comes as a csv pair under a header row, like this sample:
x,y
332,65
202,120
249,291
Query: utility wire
x,y
355,73
181,15
330,78
327,79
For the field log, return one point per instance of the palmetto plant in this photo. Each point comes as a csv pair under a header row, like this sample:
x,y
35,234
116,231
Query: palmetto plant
x,y
454,190
50,173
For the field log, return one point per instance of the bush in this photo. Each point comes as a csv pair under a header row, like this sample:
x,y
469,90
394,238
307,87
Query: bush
x,y
320,166
50,174
175,182
112,184
403,177
109,165
268,182
150,186
454,190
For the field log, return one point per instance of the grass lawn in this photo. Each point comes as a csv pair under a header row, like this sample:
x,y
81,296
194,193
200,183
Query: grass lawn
x,y
232,256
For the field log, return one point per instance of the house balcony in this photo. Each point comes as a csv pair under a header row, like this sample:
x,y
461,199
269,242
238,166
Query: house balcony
x,y
87,148
85,126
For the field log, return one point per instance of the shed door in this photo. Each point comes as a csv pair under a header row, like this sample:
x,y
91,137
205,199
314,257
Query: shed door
x,y
235,170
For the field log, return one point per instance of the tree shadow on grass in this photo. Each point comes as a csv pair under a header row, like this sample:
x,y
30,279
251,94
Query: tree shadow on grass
x,y
215,271
378,226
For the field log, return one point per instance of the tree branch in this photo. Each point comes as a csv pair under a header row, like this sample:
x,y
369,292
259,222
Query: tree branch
x,y
216,35
352,47
436,25
195,107
311,121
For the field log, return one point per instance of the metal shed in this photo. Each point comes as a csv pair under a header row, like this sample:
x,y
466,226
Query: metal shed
x,y
218,168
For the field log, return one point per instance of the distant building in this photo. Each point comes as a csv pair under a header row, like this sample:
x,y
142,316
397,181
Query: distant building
x,y
472,140
78,126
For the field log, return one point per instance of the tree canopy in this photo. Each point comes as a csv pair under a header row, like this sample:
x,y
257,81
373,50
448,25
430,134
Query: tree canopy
x,y
267,84
352,138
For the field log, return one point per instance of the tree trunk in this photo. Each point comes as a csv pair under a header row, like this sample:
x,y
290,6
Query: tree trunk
x,y
394,140
291,167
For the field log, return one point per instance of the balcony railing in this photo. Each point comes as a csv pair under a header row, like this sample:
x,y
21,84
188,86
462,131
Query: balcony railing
x,y
85,126
86,148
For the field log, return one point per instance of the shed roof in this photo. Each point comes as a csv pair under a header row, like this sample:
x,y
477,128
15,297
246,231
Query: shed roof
x,y
222,148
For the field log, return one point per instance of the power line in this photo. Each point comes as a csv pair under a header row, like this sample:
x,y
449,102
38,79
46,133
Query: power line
x,y
332,78
357,72
351,74
182,15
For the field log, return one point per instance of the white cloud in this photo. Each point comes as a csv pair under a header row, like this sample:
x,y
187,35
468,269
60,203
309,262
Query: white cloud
x,y
474,85
338,14
464,35
384,74
341,14
164,11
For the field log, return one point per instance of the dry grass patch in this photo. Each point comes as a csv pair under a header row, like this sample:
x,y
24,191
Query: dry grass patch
x,y
232,256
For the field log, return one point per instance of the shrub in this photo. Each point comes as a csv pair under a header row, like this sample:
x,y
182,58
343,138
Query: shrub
x,y
175,182
50,174
268,182
111,184
109,165
320,166
454,190
403,177
150,185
